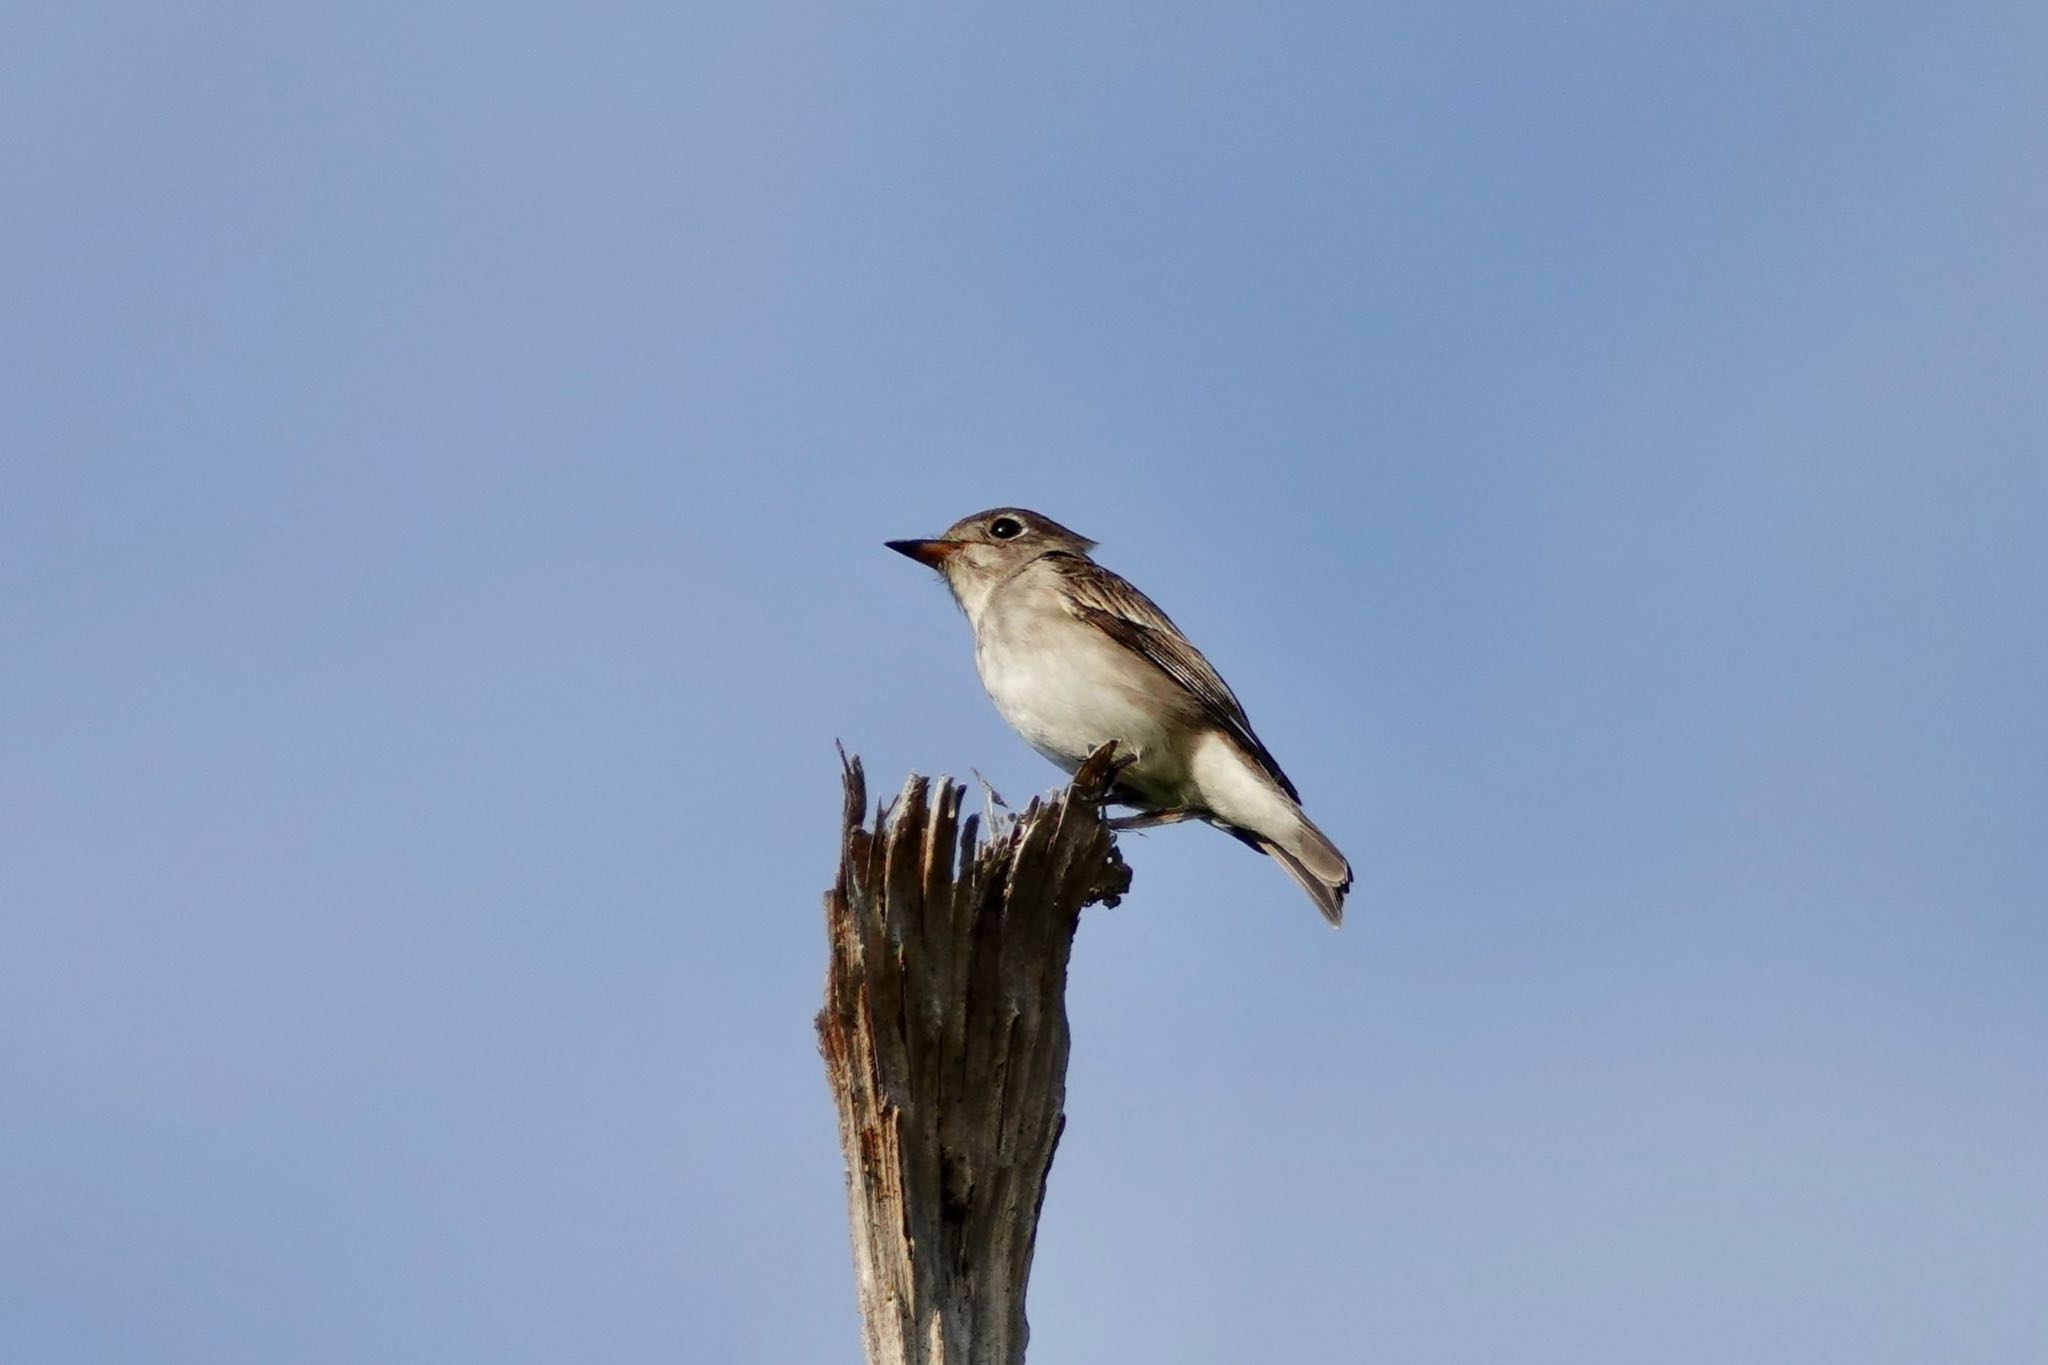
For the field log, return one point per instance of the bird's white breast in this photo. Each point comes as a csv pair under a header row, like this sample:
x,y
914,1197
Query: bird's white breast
x,y
1068,688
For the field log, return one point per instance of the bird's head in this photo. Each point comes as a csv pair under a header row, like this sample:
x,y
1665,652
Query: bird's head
x,y
976,553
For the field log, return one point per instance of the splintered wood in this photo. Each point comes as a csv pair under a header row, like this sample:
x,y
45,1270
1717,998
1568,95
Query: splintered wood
x,y
944,1033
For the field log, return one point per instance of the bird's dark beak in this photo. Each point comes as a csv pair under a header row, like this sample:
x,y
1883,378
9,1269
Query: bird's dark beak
x,y
933,553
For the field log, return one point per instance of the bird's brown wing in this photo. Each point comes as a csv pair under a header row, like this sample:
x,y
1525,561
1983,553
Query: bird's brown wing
x,y
1133,620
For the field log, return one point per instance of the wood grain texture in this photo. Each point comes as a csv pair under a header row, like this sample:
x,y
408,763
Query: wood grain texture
x,y
945,1040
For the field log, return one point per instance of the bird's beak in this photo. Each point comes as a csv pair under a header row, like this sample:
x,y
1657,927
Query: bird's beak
x,y
933,553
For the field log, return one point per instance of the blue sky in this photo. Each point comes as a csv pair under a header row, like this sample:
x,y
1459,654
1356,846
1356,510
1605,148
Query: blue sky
x,y
443,471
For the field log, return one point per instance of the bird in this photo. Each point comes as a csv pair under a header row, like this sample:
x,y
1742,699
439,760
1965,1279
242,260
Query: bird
x,y
1074,656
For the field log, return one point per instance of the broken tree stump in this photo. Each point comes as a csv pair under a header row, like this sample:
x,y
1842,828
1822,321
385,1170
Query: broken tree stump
x,y
945,1040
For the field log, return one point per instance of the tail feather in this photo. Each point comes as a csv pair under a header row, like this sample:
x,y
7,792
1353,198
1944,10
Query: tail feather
x,y
1248,800
1318,854
1316,866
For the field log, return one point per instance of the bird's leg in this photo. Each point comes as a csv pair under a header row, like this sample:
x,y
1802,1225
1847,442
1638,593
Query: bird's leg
x,y
1150,818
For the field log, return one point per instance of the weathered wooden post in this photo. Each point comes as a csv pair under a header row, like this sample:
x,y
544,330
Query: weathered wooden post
x,y
945,1040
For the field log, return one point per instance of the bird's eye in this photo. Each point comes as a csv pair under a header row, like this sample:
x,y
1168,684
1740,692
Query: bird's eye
x,y
1006,528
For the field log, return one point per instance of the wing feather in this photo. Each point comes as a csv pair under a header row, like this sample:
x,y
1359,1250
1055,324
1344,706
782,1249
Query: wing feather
x,y
1109,603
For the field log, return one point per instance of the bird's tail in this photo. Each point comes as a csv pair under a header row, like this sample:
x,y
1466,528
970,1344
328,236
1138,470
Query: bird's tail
x,y
1255,803
1314,863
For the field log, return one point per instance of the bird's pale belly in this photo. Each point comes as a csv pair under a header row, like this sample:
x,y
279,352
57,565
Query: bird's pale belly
x,y
1068,702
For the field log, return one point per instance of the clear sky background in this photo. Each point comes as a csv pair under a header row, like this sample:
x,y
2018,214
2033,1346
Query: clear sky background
x,y
444,458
